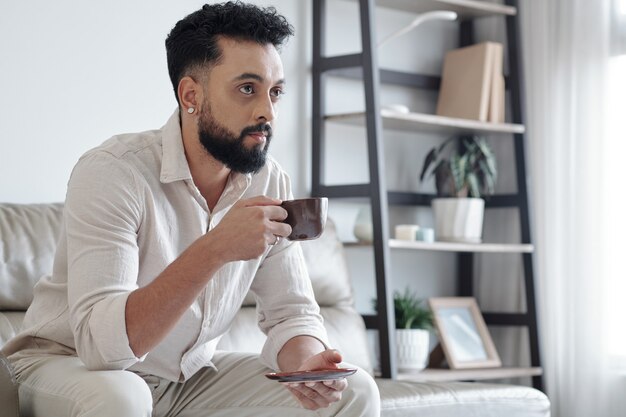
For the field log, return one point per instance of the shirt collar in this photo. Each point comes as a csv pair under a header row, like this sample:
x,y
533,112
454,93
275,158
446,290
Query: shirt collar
x,y
174,166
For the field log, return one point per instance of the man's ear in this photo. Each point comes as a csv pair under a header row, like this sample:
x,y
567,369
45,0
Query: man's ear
x,y
189,94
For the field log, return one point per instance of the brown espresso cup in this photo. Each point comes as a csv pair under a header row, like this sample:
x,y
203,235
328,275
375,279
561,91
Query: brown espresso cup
x,y
306,216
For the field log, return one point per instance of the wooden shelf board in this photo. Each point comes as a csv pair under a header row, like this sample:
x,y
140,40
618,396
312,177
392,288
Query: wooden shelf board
x,y
428,122
462,247
356,244
454,246
431,374
466,9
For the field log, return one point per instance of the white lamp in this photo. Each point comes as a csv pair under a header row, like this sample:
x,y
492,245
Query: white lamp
x,y
421,18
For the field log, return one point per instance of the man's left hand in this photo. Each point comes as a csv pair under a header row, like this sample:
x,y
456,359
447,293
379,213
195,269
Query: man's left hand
x,y
314,395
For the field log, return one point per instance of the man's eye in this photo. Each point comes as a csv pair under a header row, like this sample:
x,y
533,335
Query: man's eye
x,y
278,92
246,89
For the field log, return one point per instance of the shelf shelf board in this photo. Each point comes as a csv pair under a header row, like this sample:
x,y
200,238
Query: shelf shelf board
x,y
423,199
462,247
428,122
454,246
466,9
440,375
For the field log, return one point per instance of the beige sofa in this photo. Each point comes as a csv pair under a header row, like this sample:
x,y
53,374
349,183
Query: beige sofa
x,y
28,236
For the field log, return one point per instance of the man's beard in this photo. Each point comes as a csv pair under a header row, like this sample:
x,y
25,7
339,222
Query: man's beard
x,y
229,149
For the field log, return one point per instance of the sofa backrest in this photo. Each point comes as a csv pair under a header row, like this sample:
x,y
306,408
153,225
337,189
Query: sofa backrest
x,y
28,238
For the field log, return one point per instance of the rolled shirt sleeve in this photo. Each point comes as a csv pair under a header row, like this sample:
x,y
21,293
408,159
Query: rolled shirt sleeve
x,y
102,215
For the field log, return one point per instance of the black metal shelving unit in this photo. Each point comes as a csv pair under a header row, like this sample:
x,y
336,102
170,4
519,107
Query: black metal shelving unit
x,y
364,65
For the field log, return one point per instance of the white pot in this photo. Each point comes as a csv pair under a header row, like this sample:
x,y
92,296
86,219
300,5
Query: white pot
x,y
412,345
363,229
459,219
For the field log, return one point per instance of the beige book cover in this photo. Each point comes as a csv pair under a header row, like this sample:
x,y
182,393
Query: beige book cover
x,y
466,82
496,101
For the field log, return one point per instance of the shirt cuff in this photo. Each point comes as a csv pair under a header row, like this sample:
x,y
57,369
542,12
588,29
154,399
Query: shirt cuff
x,y
108,327
277,338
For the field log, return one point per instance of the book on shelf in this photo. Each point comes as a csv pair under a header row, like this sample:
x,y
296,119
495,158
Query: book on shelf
x,y
496,95
472,84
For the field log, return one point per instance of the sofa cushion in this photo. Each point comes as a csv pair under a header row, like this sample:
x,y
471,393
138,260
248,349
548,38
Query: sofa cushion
x,y
29,239
10,325
467,399
326,263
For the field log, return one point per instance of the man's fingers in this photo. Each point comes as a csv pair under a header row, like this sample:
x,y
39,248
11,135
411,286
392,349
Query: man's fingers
x,y
333,393
274,238
317,393
275,213
331,357
303,399
276,227
327,359
337,384
312,394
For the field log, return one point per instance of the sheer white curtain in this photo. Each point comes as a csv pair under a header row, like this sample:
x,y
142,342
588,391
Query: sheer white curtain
x,y
578,205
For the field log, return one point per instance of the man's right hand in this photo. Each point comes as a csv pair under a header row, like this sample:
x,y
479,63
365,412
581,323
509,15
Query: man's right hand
x,y
249,227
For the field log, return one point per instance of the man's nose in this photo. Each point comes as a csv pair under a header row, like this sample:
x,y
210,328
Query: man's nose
x,y
265,110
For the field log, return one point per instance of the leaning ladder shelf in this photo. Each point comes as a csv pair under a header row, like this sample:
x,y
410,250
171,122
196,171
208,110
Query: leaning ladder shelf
x,y
364,66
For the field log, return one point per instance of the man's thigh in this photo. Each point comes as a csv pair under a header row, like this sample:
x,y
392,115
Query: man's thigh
x,y
239,388
61,386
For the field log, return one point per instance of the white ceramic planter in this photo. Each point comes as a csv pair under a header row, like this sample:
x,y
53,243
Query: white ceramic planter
x,y
459,219
363,229
412,345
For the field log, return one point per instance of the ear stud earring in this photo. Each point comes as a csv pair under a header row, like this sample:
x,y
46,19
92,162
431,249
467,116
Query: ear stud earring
x,y
190,110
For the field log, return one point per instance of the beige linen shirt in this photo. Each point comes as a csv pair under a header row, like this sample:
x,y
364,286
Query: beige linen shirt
x,y
131,209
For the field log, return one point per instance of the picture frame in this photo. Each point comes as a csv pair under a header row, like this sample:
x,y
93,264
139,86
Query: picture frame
x,y
463,334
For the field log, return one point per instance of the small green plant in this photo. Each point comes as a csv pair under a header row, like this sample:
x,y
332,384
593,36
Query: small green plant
x,y
409,312
469,168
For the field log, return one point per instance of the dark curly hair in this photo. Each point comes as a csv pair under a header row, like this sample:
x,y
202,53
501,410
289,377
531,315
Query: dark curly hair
x,y
192,43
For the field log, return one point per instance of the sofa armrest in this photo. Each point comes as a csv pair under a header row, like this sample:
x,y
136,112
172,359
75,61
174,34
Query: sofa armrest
x,y
8,390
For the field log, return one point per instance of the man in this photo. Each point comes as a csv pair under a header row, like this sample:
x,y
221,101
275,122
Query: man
x,y
164,234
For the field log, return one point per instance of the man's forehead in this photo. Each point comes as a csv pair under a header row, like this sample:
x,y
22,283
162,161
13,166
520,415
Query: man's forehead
x,y
252,76
250,60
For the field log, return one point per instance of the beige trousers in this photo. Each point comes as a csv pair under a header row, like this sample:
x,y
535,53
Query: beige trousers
x,y
61,386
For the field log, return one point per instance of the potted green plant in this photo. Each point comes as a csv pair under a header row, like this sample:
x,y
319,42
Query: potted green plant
x,y
464,169
413,323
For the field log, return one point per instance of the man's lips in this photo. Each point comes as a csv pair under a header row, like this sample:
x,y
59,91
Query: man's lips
x,y
259,137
